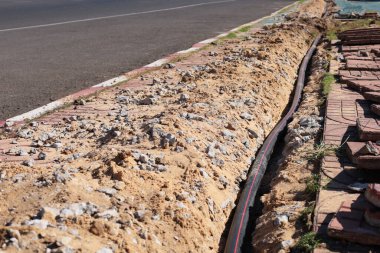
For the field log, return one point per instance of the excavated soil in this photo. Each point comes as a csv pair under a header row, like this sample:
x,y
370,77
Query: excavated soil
x,y
160,170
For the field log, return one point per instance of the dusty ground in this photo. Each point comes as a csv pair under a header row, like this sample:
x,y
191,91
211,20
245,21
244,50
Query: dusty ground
x,y
290,201
160,170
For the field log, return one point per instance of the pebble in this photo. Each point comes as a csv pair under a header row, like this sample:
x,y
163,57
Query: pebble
x,y
180,205
210,204
79,102
25,133
41,224
61,175
183,98
21,152
57,145
203,172
43,137
119,185
122,99
228,134
169,66
210,151
246,116
108,191
281,220
147,101
34,124
226,203
77,209
104,250
223,181
28,163
312,122
192,116
156,217
140,215
246,143
231,126
9,123
108,214
287,244
167,140
252,133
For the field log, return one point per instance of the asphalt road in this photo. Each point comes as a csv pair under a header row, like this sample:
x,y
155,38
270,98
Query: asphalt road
x,y
52,48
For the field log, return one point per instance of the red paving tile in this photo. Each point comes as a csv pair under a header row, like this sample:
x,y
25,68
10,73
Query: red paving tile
x,y
362,65
375,109
355,151
346,110
369,129
364,85
349,224
372,96
349,48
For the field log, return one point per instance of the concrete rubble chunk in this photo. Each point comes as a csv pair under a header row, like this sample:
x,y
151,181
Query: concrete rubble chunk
x,y
104,250
108,214
246,116
28,163
41,224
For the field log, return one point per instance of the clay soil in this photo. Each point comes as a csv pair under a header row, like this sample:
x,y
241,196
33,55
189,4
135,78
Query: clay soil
x,y
156,164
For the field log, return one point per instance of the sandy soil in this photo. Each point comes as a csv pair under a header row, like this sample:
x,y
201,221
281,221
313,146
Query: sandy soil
x,y
160,170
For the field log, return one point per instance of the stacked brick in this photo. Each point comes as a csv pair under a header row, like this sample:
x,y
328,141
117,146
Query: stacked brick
x,y
348,204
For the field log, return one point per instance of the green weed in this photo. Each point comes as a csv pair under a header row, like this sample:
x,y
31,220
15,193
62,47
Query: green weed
x,y
321,150
327,82
312,184
306,214
231,35
307,243
245,29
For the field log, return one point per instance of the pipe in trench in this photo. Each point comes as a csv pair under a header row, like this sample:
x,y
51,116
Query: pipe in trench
x,y
239,223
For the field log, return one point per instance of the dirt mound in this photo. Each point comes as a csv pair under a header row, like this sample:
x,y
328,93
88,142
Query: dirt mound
x,y
156,167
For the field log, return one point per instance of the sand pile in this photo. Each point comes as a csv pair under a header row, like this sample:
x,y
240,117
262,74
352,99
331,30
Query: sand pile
x,y
157,167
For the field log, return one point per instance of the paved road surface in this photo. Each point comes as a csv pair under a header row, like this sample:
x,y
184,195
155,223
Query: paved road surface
x,y
52,48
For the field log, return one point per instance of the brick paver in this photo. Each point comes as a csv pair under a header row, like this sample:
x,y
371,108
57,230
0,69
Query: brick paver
x,y
350,118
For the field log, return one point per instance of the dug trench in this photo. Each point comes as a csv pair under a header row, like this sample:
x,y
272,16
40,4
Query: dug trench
x,y
281,216
155,164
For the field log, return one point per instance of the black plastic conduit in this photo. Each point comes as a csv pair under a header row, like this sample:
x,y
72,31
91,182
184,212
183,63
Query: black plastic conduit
x,y
239,223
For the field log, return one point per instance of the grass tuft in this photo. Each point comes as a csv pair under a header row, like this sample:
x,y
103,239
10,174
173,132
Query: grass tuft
x,y
312,184
231,35
245,29
327,82
321,150
306,213
307,243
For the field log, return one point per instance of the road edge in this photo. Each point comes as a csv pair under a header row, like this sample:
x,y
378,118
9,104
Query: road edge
x,y
70,99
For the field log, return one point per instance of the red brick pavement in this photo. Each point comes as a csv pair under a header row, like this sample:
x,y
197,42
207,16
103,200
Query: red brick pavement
x,y
348,111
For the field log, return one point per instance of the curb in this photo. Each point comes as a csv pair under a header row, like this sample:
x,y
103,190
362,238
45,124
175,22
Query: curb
x,y
38,112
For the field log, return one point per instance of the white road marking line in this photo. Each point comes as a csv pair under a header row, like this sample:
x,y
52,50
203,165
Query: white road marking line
x,y
115,16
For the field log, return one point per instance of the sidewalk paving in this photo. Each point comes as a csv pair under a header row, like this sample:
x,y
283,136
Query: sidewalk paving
x,y
350,122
